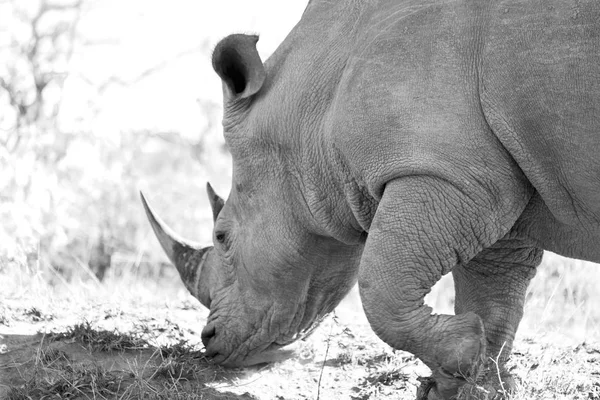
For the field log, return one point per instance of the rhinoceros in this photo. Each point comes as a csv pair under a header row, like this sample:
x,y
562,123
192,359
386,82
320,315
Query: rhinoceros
x,y
391,142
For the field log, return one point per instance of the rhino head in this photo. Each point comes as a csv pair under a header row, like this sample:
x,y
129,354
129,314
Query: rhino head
x,y
273,272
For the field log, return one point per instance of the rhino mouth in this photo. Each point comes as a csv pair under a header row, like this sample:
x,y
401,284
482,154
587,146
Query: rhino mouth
x,y
247,353
242,356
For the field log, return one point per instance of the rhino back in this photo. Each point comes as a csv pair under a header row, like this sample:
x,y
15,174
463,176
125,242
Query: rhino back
x,y
540,91
408,101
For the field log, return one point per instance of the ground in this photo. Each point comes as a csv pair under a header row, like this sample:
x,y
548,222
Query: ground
x,y
125,340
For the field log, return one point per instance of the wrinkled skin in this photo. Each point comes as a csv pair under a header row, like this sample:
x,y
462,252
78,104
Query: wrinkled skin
x,y
394,142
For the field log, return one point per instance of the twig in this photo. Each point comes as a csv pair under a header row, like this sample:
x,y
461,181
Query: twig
x,y
324,361
496,362
118,81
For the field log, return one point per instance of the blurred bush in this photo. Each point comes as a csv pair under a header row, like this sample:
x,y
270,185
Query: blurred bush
x,y
69,195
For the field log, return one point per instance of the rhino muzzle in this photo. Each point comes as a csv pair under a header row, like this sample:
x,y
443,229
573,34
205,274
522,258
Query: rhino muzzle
x,y
190,258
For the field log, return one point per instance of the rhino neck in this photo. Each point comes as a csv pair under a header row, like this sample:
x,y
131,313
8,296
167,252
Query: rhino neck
x,y
312,60
335,198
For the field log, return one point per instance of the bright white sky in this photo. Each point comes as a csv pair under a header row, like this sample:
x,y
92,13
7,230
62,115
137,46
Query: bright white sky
x,y
142,34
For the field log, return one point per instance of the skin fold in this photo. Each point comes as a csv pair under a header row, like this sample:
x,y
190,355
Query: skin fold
x,y
390,143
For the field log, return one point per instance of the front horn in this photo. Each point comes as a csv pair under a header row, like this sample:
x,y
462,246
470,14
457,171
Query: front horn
x,y
188,257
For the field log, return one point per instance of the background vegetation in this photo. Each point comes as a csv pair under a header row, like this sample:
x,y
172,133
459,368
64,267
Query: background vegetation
x,y
71,164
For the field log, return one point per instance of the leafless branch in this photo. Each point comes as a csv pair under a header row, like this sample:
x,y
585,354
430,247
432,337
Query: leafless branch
x,y
172,137
118,81
72,35
28,102
48,6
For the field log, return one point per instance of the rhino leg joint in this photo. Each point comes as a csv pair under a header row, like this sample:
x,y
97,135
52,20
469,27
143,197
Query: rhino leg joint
x,y
458,358
459,353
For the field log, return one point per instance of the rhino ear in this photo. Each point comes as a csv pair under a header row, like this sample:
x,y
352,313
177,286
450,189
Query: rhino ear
x,y
216,202
236,61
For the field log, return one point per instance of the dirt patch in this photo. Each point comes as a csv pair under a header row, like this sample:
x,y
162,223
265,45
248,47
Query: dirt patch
x,y
37,366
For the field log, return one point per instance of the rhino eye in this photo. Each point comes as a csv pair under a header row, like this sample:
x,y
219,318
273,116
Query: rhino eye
x,y
220,236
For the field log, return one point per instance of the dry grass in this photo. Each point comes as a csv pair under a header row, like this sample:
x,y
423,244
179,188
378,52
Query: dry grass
x,y
99,340
67,380
91,363
563,299
137,336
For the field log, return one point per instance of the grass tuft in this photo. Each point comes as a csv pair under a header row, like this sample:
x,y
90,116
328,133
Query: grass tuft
x,y
67,380
181,362
49,356
100,340
37,315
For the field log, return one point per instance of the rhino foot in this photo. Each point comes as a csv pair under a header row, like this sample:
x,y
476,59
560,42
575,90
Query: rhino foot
x,y
486,388
427,386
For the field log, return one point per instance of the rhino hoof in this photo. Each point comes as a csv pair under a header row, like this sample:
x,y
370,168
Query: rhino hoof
x,y
426,389
490,389
459,390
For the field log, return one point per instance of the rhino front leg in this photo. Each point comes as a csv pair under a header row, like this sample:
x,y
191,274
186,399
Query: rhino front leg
x,y
493,286
422,228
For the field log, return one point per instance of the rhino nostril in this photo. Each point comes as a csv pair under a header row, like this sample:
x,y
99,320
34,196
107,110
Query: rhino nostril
x,y
208,333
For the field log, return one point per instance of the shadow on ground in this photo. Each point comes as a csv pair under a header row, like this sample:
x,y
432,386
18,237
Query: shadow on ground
x,y
37,366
